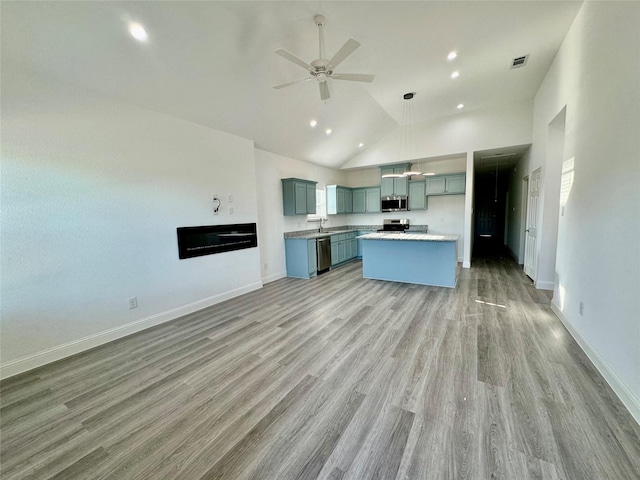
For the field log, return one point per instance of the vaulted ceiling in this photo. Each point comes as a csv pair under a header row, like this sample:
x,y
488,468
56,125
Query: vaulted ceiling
x,y
213,63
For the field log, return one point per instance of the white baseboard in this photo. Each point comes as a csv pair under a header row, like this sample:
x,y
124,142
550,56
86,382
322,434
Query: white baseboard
x,y
273,278
21,365
544,285
624,394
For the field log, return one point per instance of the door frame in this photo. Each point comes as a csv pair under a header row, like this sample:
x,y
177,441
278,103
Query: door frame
x,y
535,176
523,217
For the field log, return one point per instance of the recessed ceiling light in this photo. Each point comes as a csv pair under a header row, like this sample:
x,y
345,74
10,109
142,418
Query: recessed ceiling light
x,y
138,32
328,131
360,145
455,74
460,106
452,55
313,123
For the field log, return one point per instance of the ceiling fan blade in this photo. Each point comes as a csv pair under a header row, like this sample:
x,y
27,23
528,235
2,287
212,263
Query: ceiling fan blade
x,y
347,49
293,82
354,77
292,58
324,90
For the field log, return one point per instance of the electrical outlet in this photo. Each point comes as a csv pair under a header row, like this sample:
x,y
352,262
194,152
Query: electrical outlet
x,y
133,302
581,308
230,198
230,210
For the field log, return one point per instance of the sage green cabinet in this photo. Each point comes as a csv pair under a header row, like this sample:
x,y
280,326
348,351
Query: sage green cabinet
x,y
390,187
339,199
301,257
417,195
453,184
366,200
344,247
298,196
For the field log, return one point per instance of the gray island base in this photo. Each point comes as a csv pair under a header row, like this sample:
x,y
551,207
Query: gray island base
x,y
418,258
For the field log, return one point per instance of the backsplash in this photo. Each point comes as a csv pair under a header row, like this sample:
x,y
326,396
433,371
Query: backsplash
x,y
302,233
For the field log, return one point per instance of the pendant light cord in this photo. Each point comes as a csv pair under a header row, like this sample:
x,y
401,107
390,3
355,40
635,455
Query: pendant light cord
x,y
495,199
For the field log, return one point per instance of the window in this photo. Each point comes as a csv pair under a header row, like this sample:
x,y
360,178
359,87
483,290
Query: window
x,y
321,206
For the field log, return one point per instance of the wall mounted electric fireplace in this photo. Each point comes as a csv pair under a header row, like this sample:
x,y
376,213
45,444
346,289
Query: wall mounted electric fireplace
x,y
207,240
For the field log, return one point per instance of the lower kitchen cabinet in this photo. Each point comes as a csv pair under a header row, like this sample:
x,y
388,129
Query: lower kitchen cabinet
x,y
301,257
343,247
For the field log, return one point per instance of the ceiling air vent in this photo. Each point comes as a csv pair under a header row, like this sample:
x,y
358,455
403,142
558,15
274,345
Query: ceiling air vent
x,y
519,61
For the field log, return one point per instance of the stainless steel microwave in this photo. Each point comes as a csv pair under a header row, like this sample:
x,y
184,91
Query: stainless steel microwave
x,y
393,204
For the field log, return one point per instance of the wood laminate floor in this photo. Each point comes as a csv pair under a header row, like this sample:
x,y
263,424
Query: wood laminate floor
x,y
336,377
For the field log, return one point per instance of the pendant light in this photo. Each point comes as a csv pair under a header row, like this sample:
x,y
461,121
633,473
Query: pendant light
x,y
406,138
495,198
405,135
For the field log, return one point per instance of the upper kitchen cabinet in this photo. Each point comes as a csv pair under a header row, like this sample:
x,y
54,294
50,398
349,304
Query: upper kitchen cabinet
x,y
390,187
417,195
366,200
339,199
453,184
298,196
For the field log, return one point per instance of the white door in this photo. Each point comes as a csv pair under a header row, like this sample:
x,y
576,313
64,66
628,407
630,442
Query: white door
x,y
531,230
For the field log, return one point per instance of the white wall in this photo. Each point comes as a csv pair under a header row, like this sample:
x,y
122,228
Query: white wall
x,y
463,132
517,213
270,169
92,193
598,258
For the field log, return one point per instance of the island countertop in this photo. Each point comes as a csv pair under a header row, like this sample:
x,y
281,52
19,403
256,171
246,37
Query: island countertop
x,y
420,237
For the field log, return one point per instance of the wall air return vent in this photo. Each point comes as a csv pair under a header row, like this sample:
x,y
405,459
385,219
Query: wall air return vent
x,y
519,61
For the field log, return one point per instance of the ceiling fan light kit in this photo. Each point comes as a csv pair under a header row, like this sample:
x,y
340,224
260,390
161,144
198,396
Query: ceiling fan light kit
x,y
322,69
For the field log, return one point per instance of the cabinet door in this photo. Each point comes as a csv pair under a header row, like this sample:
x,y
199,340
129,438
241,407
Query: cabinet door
x,y
359,202
455,184
339,200
334,253
387,186
354,248
300,198
417,196
313,259
373,200
342,256
348,201
400,185
310,199
435,186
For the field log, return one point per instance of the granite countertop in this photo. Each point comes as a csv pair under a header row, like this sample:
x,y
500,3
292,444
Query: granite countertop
x,y
421,237
316,233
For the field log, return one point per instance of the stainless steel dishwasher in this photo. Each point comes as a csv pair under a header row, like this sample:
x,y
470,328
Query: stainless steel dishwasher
x,y
323,249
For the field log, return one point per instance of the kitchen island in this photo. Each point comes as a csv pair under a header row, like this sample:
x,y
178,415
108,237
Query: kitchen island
x,y
419,258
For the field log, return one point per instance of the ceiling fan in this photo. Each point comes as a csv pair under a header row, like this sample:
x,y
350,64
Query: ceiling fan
x,y
323,69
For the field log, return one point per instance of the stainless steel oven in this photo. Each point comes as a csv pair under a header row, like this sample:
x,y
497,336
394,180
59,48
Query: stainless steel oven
x,y
393,204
